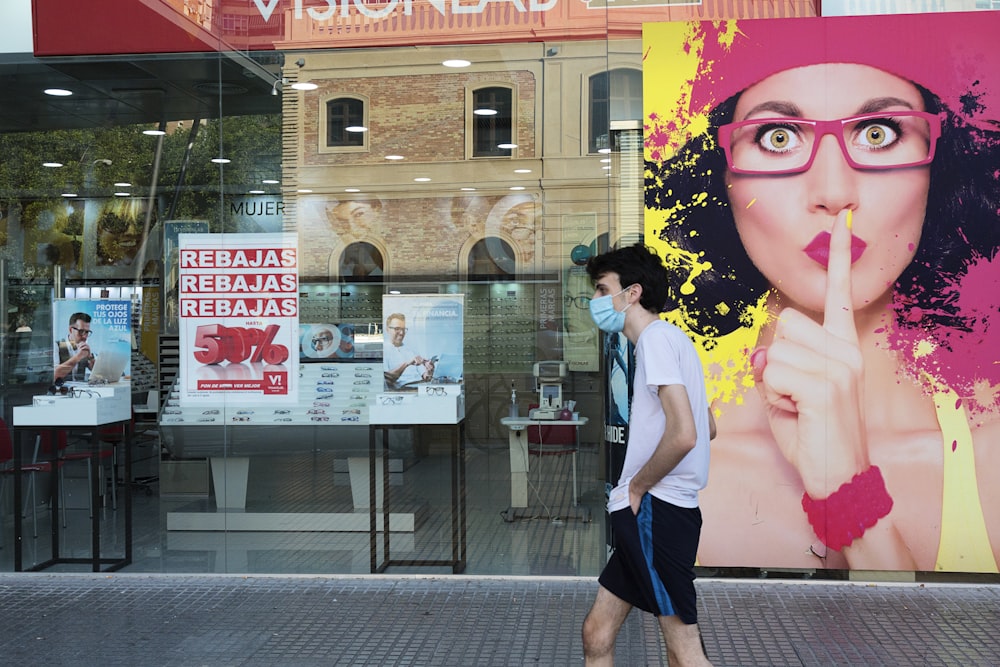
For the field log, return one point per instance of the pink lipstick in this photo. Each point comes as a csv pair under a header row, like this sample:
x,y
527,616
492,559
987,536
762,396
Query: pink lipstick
x,y
818,249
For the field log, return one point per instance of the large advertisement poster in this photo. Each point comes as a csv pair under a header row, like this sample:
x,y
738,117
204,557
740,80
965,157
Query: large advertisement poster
x,y
92,341
825,194
423,346
238,308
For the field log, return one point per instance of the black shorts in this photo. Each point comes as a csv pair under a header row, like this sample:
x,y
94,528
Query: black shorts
x,y
652,566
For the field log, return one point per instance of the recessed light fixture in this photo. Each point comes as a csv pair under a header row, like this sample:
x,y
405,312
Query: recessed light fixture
x,y
507,147
154,133
52,164
394,157
58,92
221,160
522,171
270,181
421,179
304,85
355,128
484,112
123,184
456,62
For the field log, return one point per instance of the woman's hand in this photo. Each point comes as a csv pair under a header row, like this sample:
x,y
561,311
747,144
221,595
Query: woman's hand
x,y
811,379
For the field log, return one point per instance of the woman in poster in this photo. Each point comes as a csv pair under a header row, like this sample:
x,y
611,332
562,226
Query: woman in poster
x,y
834,230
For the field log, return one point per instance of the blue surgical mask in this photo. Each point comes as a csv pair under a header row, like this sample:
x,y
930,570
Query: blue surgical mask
x,y
605,315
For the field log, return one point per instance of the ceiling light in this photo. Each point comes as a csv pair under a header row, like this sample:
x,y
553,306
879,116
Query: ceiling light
x,y
256,192
122,194
355,128
123,184
58,92
304,191
421,179
304,85
468,189
52,164
457,62
69,194
269,181
507,147
517,187
352,189
484,112
154,133
221,160
522,171
394,157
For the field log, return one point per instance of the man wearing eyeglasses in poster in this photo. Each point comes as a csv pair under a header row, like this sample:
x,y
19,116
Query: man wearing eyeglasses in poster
x,y
403,366
75,357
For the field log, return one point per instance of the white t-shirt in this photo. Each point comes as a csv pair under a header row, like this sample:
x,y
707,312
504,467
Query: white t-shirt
x,y
393,357
664,355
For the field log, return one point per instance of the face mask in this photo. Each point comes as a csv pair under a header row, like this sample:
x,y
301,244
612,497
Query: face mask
x,y
604,314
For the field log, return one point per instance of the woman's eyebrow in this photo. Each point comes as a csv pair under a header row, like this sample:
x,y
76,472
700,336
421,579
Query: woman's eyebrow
x,y
883,103
783,109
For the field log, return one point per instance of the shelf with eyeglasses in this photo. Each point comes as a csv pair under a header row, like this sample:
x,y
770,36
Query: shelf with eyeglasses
x,y
329,394
500,329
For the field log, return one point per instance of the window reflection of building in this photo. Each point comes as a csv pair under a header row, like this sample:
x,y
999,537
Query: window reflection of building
x,y
361,260
492,257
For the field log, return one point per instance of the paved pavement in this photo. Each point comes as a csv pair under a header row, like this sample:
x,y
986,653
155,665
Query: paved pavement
x,y
217,620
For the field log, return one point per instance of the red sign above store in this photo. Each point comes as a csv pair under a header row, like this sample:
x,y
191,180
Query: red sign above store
x,y
105,27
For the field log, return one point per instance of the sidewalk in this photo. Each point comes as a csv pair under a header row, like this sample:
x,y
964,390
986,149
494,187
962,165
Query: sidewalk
x,y
217,620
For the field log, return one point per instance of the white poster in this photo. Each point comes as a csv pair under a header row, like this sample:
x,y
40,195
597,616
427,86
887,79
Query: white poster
x,y
238,313
423,343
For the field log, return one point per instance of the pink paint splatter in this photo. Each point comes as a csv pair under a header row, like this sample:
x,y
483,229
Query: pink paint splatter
x,y
963,354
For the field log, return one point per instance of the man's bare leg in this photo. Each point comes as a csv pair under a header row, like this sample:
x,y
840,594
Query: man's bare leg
x,y
683,643
600,628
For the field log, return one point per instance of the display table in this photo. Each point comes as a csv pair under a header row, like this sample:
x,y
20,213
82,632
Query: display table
x,y
382,519
25,426
520,461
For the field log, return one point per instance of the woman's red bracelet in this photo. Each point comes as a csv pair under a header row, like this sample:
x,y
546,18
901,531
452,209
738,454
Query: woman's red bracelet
x,y
849,511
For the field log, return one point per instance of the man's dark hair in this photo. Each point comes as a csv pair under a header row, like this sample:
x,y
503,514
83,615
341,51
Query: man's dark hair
x,y
635,265
79,316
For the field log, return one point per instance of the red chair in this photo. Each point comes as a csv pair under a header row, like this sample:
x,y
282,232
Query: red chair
x,y
7,469
554,439
71,455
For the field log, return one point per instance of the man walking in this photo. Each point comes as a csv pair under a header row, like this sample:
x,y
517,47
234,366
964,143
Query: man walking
x,y
654,511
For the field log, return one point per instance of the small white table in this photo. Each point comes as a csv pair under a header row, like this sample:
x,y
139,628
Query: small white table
x,y
519,460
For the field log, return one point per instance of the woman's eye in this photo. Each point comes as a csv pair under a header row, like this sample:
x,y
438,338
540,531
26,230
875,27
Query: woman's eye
x,y
877,135
777,139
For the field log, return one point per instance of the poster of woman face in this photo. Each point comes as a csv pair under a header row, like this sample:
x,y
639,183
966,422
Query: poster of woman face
x,y
825,194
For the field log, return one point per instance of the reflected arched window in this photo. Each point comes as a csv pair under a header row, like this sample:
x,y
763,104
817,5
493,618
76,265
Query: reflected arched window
x,y
492,257
345,116
361,260
614,95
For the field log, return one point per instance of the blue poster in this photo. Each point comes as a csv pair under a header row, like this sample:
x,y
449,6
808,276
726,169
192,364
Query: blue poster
x,y
92,341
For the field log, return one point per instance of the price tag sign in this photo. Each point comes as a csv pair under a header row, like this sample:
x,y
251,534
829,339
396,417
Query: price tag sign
x,y
238,312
